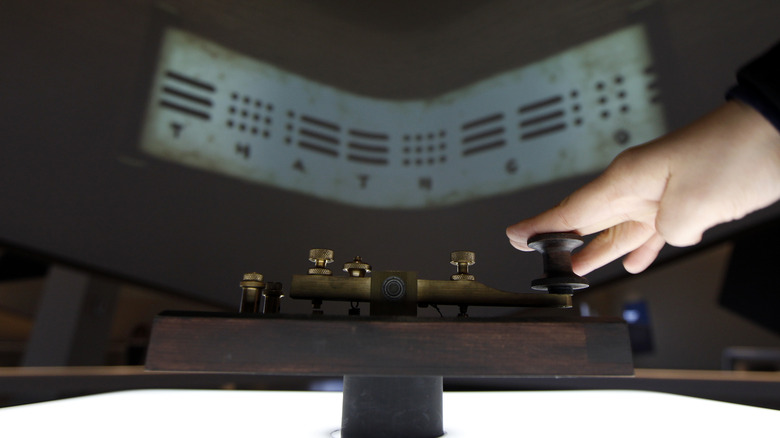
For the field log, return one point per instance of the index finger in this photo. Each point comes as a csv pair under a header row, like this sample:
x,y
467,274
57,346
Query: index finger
x,y
587,210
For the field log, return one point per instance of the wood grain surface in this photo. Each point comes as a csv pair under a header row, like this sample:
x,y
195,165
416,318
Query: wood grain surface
x,y
286,345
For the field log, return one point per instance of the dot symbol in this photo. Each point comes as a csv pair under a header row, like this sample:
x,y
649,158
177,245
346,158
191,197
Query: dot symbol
x,y
621,137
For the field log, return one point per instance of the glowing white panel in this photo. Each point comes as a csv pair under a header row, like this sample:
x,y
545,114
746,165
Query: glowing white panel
x,y
569,114
565,414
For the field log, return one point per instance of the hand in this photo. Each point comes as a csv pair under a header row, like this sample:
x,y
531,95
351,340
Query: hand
x,y
671,190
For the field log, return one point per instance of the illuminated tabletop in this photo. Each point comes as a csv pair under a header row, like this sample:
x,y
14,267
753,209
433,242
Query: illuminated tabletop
x,y
210,413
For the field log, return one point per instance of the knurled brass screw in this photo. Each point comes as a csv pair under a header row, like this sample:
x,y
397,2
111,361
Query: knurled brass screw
x,y
462,259
320,257
252,279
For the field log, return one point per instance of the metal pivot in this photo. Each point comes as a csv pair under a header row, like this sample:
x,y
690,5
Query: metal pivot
x,y
556,251
393,293
392,407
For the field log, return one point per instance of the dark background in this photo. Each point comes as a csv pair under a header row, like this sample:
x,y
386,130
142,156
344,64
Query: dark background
x,y
72,88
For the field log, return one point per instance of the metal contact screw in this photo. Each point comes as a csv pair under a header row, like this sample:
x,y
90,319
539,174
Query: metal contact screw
x,y
462,259
357,268
320,257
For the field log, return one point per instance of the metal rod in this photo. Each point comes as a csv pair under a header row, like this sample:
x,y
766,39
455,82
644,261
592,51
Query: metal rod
x,y
444,292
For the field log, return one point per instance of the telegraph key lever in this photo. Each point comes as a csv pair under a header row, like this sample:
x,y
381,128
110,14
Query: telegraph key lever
x,y
556,251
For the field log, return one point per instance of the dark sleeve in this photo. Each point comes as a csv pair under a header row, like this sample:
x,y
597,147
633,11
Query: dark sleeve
x,y
758,85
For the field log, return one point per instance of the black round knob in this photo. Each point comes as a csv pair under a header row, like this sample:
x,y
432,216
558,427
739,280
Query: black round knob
x,y
556,251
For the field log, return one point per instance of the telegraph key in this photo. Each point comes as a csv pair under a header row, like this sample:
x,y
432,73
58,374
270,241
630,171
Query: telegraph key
x,y
400,293
392,360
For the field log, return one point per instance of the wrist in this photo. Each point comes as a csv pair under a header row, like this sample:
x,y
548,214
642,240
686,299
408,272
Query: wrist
x,y
758,85
754,99
752,125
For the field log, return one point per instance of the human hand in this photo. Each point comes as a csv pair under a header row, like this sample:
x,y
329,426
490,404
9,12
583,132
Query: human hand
x,y
671,190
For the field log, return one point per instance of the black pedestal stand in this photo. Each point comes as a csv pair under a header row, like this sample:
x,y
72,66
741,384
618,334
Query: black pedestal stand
x,y
390,407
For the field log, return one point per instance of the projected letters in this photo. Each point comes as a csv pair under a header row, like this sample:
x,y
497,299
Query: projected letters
x,y
569,114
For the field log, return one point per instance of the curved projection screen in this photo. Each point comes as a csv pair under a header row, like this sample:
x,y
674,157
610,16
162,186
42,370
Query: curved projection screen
x,y
566,115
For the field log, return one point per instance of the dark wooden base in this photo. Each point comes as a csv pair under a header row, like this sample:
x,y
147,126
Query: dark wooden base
x,y
391,346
